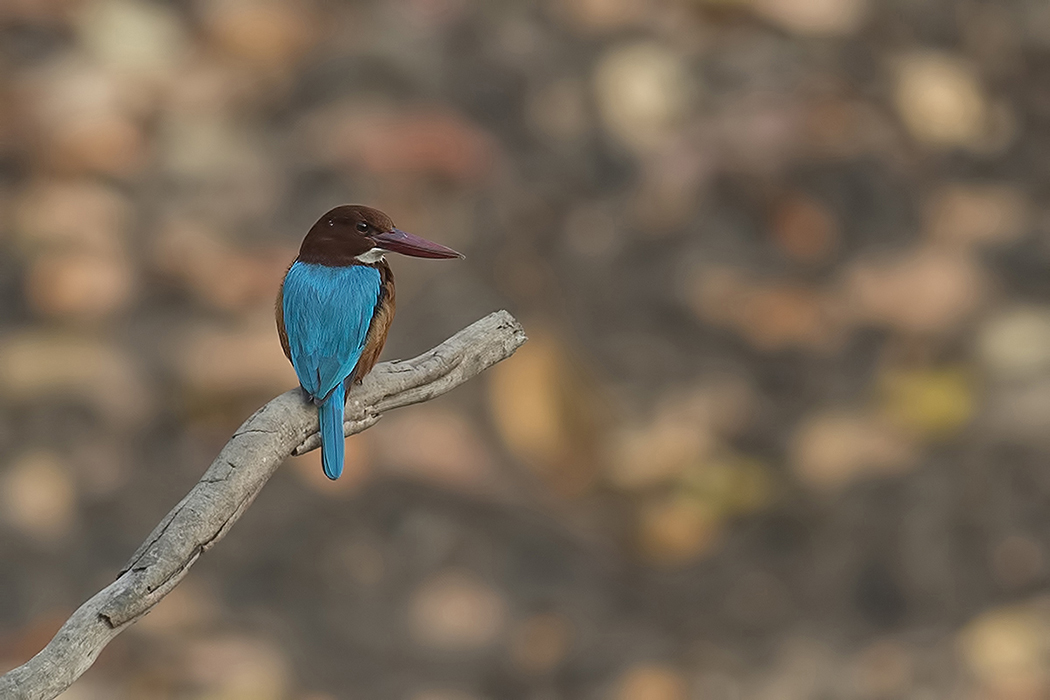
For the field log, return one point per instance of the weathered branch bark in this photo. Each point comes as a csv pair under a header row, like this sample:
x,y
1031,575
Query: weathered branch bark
x,y
285,426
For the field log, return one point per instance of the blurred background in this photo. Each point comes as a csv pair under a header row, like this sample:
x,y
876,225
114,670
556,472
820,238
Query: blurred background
x,y
782,426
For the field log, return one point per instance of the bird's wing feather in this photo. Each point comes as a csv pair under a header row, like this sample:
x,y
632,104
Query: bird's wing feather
x,y
327,311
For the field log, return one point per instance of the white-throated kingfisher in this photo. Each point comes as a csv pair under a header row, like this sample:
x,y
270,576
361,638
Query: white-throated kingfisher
x,y
335,307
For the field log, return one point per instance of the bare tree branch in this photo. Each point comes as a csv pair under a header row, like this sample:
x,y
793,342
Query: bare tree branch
x,y
286,425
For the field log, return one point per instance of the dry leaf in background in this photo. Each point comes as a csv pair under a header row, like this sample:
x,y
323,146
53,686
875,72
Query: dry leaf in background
x,y
549,413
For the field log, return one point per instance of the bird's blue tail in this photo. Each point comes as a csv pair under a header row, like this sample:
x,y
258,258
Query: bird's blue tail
x,y
330,414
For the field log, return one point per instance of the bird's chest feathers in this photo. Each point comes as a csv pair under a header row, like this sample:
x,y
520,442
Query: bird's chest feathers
x,y
332,285
336,298
327,313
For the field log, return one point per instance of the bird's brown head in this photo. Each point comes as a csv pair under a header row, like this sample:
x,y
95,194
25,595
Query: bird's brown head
x,y
353,234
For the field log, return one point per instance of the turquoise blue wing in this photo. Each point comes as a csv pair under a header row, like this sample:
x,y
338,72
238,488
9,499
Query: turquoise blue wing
x,y
327,311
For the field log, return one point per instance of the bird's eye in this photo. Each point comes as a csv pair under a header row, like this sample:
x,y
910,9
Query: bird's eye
x,y
362,226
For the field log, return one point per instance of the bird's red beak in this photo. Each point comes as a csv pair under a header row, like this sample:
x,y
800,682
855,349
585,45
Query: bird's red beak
x,y
398,241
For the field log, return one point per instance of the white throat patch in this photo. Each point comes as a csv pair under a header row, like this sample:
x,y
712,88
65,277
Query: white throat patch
x,y
370,257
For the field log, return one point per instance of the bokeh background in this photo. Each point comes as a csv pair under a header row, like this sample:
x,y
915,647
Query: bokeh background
x,y
781,431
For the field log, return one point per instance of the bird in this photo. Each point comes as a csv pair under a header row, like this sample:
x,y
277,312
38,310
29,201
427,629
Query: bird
x,y
335,306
